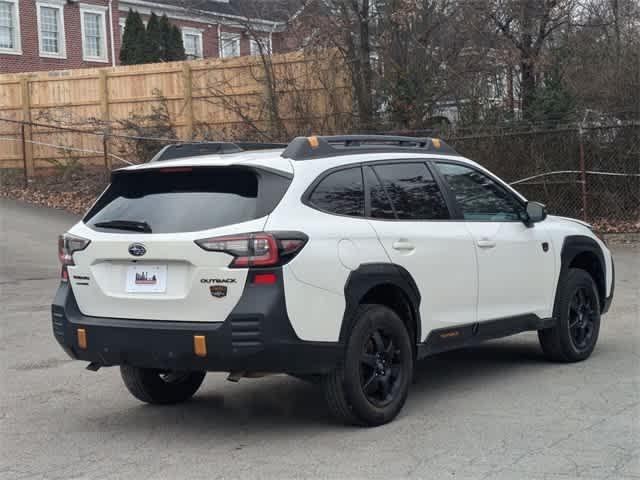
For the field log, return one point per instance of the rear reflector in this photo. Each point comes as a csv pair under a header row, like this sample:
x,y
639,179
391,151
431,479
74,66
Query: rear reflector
x,y
200,345
82,338
265,278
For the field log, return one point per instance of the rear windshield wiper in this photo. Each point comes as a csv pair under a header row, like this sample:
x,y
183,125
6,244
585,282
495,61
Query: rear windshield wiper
x,y
143,227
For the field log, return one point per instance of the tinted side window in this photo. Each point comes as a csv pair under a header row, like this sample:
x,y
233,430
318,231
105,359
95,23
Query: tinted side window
x,y
340,192
478,196
413,191
380,204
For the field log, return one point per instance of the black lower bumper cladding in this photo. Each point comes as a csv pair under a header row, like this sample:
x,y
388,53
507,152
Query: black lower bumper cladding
x,y
256,337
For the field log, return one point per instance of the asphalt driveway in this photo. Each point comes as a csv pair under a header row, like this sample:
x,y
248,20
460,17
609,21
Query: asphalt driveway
x,y
498,411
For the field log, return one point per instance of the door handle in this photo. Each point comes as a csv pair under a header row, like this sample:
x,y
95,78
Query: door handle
x,y
486,243
403,245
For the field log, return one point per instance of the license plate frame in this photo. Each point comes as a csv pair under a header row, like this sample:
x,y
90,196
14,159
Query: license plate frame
x,y
146,278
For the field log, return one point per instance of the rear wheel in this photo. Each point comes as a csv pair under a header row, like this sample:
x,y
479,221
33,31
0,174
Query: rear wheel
x,y
577,315
161,386
371,385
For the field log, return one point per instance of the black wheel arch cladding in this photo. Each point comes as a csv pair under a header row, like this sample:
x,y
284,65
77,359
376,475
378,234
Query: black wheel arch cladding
x,y
385,276
579,251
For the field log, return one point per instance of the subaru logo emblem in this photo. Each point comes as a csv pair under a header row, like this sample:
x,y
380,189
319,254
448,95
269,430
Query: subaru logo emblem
x,y
137,249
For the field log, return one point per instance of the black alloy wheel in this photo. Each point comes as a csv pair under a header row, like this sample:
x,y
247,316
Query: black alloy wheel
x,y
380,368
582,317
371,384
577,319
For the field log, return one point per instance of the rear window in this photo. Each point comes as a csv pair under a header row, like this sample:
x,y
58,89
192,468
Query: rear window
x,y
171,200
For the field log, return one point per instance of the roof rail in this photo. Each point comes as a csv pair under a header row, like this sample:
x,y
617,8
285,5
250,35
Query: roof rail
x,y
184,150
307,148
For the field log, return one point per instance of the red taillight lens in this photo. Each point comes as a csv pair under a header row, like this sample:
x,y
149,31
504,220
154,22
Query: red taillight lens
x,y
67,244
256,249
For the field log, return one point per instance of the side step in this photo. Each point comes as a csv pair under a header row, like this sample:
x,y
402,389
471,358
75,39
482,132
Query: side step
x,y
460,336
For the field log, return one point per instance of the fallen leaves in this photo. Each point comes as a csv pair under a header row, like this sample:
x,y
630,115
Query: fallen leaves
x,y
75,194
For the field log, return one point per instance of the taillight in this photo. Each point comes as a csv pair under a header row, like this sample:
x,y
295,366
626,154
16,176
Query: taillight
x,y
67,245
259,249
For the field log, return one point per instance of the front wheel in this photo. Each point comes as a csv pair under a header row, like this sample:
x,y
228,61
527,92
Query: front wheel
x,y
161,386
577,315
371,385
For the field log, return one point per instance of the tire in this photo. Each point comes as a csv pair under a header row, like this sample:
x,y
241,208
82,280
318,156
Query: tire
x,y
371,385
160,387
577,319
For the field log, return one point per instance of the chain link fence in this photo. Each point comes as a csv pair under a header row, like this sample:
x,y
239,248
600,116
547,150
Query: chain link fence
x,y
588,173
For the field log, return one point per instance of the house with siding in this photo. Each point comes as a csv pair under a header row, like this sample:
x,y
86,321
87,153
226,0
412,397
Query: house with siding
x,y
38,35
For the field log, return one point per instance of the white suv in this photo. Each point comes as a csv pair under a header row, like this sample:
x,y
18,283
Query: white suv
x,y
336,259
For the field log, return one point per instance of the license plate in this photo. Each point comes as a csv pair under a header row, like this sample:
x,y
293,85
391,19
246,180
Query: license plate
x,y
147,279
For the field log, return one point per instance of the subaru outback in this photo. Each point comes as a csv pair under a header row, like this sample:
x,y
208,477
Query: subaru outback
x,y
340,260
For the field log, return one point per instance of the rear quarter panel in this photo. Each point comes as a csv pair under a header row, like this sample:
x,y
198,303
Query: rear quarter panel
x,y
315,279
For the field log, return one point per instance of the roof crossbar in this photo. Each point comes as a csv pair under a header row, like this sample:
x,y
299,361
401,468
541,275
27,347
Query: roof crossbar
x,y
307,148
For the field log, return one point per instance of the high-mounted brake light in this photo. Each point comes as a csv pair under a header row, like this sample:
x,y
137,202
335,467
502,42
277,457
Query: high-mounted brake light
x,y
67,245
175,169
259,249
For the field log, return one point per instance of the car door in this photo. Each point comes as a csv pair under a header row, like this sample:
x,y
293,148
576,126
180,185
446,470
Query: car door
x,y
515,262
410,215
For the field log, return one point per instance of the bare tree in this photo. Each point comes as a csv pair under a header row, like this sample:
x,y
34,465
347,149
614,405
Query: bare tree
x,y
527,25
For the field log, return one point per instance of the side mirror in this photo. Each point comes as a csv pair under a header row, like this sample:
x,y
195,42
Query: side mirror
x,y
536,212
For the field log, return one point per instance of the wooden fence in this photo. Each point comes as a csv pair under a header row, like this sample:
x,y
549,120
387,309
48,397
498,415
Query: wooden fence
x,y
212,99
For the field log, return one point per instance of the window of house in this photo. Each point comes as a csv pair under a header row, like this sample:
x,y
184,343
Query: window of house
x,y
9,27
229,44
51,29
411,191
192,41
254,46
94,33
341,192
478,196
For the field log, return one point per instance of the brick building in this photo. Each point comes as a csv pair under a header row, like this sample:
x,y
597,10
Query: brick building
x,y
64,34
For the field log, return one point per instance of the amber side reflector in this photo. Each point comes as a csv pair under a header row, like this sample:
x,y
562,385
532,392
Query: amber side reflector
x,y
313,142
200,345
81,333
436,142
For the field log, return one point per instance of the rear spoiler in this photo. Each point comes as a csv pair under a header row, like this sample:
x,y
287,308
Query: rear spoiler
x,y
185,150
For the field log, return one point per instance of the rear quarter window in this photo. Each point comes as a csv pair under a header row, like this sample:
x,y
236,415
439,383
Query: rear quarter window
x,y
340,192
187,200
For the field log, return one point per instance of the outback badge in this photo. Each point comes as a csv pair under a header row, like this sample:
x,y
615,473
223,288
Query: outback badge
x,y
218,291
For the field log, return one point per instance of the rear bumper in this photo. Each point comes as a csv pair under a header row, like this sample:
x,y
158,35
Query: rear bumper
x,y
256,337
